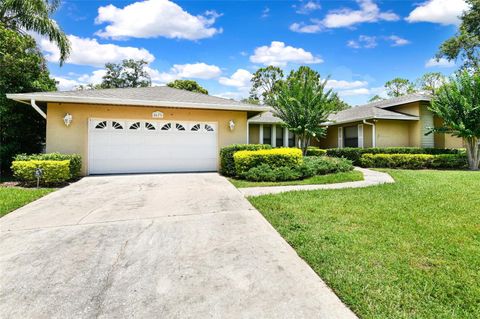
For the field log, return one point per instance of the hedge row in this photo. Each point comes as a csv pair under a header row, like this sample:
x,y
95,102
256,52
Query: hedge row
x,y
414,161
274,158
354,154
74,159
315,151
227,164
53,172
311,166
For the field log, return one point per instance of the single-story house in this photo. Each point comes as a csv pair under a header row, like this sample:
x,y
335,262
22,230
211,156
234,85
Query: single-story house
x,y
401,121
137,130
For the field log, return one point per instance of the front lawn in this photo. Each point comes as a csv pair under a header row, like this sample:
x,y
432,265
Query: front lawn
x,y
404,250
12,198
341,177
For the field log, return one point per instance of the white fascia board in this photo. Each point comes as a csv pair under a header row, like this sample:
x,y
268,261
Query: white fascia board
x,y
99,100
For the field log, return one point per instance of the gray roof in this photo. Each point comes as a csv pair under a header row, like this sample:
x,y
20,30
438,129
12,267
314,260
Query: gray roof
x,y
370,111
147,96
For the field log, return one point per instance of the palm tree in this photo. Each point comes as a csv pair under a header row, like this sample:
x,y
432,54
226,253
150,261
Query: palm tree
x,y
34,15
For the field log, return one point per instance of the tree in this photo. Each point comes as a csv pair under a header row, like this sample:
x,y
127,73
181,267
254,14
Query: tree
x,y
399,86
264,83
34,16
189,85
465,44
128,74
302,103
458,104
22,69
431,82
341,104
375,98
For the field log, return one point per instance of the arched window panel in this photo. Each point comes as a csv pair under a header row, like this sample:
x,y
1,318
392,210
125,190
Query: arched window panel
x,y
101,125
179,127
196,128
117,126
166,127
209,128
150,126
135,126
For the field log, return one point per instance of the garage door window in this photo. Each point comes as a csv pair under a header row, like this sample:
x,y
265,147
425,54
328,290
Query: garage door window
x,y
179,127
102,125
166,127
135,126
117,126
149,126
208,128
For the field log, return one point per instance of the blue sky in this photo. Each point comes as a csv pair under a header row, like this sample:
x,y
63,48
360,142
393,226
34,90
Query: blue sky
x,y
359,44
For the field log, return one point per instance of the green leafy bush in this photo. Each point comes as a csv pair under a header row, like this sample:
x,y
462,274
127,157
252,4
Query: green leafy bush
x,y
322,165
265,173
413,161
310,167
54,172
315,151
277,157
227,164
354,154
75,160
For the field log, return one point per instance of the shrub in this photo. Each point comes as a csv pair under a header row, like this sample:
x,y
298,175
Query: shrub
x,y
413,161
315,151
54,172
354,154
265,173
310,167
227,164
278,157
326,165
75,160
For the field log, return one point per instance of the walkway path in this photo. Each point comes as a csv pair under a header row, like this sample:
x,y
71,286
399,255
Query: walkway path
x,y
370,178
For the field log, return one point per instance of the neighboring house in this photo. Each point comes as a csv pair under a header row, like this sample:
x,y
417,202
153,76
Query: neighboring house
x,y
136,130
401,121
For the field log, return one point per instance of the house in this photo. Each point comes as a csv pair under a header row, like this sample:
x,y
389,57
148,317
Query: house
x,y
137,130
401,121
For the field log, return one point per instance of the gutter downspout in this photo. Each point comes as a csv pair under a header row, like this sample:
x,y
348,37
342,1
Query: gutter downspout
x,y
39,110
374,132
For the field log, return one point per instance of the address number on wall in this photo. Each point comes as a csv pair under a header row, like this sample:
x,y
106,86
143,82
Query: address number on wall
x,y
157,115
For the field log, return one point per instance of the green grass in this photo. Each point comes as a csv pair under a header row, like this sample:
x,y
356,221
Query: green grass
x,y
12,198
320,179
404,250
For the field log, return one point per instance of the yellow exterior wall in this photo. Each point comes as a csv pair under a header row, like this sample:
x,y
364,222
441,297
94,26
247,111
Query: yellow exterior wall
x,y
74,139
410,108
254,134
393,133
331,139
446,140
367,136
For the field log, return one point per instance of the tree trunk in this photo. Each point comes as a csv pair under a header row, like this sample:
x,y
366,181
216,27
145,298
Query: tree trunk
x,y
303,144
473,153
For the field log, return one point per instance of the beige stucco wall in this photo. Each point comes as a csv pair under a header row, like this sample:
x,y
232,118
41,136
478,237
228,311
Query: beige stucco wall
x,y
331,139
73,139
392,133
446,140
367,136
410,108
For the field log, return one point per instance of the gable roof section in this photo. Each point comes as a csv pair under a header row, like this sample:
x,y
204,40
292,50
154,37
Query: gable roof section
x,y
146,96
371,111
368,112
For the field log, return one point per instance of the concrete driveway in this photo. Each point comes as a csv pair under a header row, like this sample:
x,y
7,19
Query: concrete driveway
x,y
153,246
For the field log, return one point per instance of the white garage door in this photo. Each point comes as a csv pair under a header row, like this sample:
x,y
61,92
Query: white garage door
x,y
135,146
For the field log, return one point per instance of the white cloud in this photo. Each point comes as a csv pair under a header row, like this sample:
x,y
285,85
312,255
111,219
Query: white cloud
x,y
438,11
64,84
155,18
277,54
364,41
369,12
72,81
240,79
397,41
238,95
342,84
86,51
307,7
302,27
369,42
185,71
265,12
354,92
441,63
